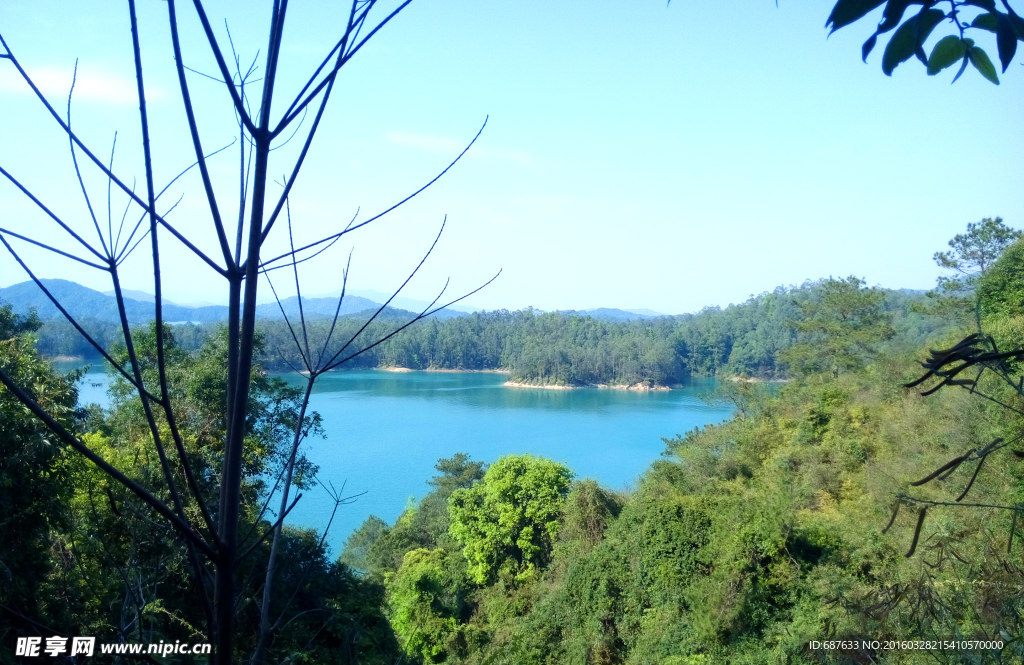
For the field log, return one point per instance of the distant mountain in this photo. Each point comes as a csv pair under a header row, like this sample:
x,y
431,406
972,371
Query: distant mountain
x,y
401,302
85,303
612,314
145,296
314,307
135,294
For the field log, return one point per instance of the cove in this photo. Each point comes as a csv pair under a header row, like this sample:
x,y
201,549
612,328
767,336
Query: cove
x,y
386,430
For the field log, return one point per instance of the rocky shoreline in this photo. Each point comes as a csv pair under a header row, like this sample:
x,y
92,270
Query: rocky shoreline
x,y
639,387
451,371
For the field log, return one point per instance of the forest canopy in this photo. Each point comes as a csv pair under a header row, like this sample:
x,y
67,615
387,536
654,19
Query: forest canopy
x,y
571,349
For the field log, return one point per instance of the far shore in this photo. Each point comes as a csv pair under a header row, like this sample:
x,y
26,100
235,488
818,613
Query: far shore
x,y
451,371
516,384
639,387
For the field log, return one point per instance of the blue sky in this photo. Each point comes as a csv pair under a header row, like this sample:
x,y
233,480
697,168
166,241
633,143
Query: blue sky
x,y
636,156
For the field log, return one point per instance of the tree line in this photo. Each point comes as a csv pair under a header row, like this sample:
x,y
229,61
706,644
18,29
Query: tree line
x,y
560,348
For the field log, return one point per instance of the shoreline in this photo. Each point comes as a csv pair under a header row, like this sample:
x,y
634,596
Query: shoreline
x,y
637,387
517,384
442,371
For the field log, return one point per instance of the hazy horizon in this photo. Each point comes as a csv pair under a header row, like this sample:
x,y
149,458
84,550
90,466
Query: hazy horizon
x,y
411,304
631,160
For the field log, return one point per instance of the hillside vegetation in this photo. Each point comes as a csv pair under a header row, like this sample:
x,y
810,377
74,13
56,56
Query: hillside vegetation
x,y
555,348
750,540
831,520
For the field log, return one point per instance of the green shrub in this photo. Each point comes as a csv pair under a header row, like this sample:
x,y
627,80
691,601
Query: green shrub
x,y
508,521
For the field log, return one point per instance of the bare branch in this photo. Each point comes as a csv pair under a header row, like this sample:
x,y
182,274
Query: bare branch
x,y
388,302
193,129
337,311
352,227
380,25
419,317
73,322
343,58
124,215
53,249
338,501
298,165
298,287
142,217
165,398
272,529
304,259
339,45
52,216
78,172
222,65
99,164
110,216
291,329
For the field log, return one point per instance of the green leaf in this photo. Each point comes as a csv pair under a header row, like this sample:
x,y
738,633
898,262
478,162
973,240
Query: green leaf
x,y
1006,41
900,47
947,52
846,12
1018,26
963,68
866,48
988,22
981,62
990,5
893,14
909,37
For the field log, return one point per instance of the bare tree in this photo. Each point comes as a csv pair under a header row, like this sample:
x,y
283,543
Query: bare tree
x,y
209,531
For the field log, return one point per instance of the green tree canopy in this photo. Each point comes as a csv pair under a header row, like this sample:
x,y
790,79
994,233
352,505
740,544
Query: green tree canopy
x,y
838,327
34,472
508,521
971,256
1001,289
974,252
423,605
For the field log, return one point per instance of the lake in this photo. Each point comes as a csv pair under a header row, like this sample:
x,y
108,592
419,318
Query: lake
x,y
386,430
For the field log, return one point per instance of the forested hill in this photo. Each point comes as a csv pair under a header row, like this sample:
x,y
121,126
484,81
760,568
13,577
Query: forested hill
x,y
556,348
570,349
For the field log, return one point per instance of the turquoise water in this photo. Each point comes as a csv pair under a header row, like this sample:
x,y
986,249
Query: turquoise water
x,y
385,432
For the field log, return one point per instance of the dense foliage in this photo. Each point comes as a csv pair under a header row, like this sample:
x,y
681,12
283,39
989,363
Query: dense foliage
x,y
801,519
755,538
508,522
34,472
964,18
572,349
80,555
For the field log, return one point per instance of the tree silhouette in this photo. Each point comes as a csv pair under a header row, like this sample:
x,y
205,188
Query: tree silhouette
x,y
963,17
207,526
